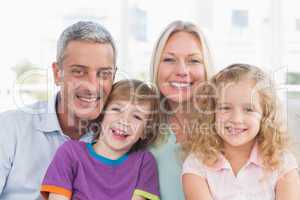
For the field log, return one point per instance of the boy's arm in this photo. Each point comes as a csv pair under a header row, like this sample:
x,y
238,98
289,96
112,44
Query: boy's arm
x,y
53,196
136,198
148,184
60,174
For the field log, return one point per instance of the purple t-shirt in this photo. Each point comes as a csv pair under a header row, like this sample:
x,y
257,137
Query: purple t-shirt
x,y
78,172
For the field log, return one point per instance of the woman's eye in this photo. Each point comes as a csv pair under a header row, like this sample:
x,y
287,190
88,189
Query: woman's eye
x,y
195,61
169,60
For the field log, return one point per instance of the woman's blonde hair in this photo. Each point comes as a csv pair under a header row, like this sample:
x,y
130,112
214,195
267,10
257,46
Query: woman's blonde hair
x,y
174,27
205,143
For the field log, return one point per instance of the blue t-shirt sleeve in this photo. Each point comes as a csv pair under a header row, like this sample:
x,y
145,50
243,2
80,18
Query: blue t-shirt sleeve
x,y
148,182
60,173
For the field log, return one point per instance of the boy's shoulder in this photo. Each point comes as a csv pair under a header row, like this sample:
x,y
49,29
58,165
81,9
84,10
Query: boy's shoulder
x,y
144,154
72,148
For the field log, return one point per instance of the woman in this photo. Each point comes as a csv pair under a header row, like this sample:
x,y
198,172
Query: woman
x,y
180,61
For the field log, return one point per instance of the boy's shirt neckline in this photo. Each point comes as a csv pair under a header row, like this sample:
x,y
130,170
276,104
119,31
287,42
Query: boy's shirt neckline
x,y
105,160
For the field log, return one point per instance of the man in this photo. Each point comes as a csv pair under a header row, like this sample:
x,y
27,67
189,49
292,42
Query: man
x,y
84,71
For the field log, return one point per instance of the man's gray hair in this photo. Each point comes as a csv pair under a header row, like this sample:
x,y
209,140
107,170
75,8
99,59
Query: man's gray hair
x,y
83,31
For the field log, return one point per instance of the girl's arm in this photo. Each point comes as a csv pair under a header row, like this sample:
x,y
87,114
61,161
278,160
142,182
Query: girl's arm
x,y
288,186
195,187
53,196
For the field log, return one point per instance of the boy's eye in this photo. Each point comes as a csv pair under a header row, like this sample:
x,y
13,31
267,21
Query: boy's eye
x,y
138,117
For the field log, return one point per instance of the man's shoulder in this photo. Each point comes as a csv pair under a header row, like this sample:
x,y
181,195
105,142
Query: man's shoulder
x,y
22,116
26,110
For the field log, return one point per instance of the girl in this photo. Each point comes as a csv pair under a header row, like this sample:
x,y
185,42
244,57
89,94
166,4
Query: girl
x,y
239,151
180,61
116,166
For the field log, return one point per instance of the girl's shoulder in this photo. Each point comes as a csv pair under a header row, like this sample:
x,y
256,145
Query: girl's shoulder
x,y
193,165
288,163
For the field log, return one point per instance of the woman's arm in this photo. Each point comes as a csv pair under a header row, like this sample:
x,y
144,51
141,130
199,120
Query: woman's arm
x,y
288,186
195,187
53,196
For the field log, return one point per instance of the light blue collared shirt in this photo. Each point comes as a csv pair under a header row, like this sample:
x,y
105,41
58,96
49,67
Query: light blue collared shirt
x,y
28,140
169,168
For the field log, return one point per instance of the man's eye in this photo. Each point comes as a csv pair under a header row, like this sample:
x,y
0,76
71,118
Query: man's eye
x,y
105,74
77,72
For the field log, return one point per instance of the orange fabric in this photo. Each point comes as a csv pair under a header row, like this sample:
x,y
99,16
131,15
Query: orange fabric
x,y
46,189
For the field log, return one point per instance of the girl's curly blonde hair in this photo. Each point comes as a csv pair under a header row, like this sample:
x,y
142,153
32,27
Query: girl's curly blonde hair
x,y
204,142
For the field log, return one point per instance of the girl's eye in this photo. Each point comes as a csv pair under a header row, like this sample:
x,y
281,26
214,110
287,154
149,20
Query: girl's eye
x,y
249,109
224,108
115,109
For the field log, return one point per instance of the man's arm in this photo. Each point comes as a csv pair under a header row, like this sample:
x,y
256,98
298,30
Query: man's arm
x,y
8,144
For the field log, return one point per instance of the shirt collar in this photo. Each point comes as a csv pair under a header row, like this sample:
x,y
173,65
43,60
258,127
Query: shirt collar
x,y
47,120
223,163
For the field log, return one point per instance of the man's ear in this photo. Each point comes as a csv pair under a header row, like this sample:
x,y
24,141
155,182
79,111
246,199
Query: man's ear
x,y
57,73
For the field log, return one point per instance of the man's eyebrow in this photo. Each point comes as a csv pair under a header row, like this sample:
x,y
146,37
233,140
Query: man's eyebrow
x,y
84,66
77,65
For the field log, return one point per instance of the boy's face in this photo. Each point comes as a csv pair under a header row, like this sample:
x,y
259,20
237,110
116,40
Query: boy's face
x,y
238,114
123,125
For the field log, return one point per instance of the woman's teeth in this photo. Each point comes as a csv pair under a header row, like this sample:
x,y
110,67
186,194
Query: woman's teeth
x,y
180,85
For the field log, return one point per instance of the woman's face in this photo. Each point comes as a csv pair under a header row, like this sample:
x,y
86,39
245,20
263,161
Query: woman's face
x,y
181,67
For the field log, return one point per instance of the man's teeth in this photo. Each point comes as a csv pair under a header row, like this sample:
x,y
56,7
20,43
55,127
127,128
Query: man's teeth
x,y
180,85
88,99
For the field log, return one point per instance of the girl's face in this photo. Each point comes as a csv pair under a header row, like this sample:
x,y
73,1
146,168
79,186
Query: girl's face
x,y
122,126
181,67
238,114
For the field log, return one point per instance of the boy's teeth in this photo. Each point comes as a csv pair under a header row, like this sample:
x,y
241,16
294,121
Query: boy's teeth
x,y
180,85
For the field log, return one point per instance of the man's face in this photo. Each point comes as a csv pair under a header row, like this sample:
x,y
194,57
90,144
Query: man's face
x,y
85,77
